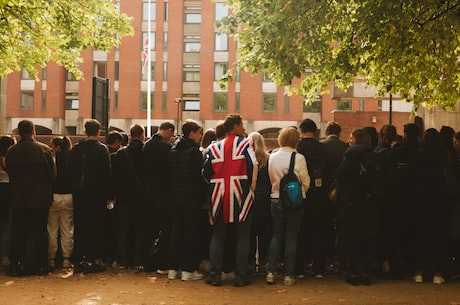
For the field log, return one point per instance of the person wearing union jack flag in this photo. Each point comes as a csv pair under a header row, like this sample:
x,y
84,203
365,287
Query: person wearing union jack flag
x,y
231,169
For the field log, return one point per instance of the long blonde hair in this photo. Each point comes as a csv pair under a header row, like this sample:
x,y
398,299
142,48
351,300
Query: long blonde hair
x,y
260,148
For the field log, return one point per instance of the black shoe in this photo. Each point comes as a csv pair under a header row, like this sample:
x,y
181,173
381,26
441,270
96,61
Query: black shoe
x,y
213,280
44,270
241,280
366,280
94,267
353,280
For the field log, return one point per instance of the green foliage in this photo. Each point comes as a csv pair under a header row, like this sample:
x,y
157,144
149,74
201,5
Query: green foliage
x,y
408,48
35,32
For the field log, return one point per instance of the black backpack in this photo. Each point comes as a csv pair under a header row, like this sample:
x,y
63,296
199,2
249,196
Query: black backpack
x,y
290,188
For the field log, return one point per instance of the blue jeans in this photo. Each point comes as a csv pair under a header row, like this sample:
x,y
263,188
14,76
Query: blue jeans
x,y
286,226
242,230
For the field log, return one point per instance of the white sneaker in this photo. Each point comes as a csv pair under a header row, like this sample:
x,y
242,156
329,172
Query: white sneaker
x,y
162,272
270,278
191,276
438,280
289,280
173,274
418,278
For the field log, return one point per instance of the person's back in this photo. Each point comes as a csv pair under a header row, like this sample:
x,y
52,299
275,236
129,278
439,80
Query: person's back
x,y
334,146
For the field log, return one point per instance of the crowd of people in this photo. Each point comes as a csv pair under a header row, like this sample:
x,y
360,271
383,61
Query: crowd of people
x,y
210,202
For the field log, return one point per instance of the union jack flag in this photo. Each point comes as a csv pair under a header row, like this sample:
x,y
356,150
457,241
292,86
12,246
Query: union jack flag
x,y
145,55
230,173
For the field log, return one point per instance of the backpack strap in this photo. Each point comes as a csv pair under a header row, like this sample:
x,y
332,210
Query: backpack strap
x,y
291,164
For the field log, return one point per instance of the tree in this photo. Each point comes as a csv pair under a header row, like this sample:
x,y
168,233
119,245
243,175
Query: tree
x,y
408,48
35,32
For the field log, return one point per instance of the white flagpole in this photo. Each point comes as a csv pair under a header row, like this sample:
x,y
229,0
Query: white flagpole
x,y
149,77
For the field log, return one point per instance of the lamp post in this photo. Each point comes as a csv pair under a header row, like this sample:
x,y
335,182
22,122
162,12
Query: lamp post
x,y
178,101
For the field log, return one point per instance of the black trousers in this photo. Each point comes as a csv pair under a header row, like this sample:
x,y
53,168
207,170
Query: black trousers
x,y
29,238
89,212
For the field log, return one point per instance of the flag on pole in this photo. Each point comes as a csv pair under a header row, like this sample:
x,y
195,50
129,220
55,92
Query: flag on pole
x,y
145,55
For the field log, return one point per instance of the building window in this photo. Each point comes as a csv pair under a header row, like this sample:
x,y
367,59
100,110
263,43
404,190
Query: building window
x,y
152,40
145,11
361,105
27,100
100,69
144,101
70,76
193,18
115,100
165,70
344,105
312,106
267,77
286,103
221,11
165,41
219,70
145,75
25,74
192,47
192,73
72,104
237,102
44,73
164,101
220,101
116,72
43,99
191,76
237,72
166,11
269,103
221,42
379,105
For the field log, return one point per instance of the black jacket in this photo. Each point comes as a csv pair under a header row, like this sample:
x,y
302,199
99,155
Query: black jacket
x,y
128,173
185,163
89,167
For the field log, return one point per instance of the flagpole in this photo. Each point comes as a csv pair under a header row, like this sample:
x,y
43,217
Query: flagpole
x,y
149,77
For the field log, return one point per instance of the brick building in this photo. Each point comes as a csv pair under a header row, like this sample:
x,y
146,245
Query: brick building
x,y
188,56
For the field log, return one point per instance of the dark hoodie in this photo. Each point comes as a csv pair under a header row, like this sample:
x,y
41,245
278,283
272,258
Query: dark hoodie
x,y
89,167
185,163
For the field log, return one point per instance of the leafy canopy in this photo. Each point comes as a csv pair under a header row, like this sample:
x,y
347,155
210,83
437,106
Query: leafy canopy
x,y
408,48
34,32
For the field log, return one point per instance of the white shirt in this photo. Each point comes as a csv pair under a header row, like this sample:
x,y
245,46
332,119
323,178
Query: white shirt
x,y
278,166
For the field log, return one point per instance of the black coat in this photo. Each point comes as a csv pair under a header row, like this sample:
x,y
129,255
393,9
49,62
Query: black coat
x,y
357,212
128,173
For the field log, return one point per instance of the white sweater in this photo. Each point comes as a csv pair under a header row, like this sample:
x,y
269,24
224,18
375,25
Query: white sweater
x,y
278,166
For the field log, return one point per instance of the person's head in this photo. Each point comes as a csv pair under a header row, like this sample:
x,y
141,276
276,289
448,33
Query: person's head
x,y
457,142
5,143
233,124
411,132
26,128
61,144
166,130
125,138
220,131
387,134
447,137
372,131
431,139
359,136
114,140
191,129
209,136
260,148
289,136
92,128
308,126
137,132
333,128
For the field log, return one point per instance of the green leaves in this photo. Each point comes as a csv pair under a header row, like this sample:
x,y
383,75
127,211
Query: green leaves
x,y
35,32
408,48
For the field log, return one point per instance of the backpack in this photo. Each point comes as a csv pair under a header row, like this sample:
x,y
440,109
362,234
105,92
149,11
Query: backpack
x,y
290,188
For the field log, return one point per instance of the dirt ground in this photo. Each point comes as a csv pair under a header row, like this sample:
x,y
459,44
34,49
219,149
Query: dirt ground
x,y
126,288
